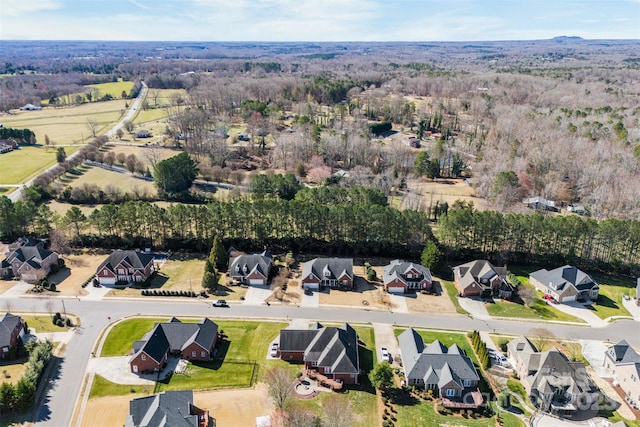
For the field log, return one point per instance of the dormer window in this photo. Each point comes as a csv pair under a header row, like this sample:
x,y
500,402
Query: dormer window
x,y
245,269
326,272
237,268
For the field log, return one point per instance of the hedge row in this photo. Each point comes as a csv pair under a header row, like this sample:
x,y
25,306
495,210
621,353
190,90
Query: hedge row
x,y
162,293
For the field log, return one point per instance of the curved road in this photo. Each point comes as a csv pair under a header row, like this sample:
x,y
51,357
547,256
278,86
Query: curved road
x,y
59,402
133,109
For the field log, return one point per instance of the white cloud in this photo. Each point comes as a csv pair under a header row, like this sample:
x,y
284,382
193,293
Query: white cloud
x,y
20,7
140,5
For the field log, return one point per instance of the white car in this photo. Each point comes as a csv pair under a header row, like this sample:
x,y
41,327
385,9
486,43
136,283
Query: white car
x,y
384,354
274,350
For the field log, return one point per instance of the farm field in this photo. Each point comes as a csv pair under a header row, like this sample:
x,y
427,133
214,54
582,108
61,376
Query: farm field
x,y
18,166
113,88
66,125
125,182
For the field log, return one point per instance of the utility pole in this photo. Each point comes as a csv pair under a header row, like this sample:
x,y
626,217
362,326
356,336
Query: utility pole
x,y
64,310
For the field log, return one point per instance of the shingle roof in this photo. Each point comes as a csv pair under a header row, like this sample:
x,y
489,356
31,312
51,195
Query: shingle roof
x,y
328,268
34,255
434,359
156,344
475,271
397,269
8,323
624,353
137,260
554,370
166,409
244,265
558,278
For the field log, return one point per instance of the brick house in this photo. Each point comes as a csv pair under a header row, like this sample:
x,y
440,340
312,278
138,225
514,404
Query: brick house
x,y
320,273
329,351
447,371
480,278
190,341
401,277
251,269
565,284
28,260
11,328
169,408
125,267
623,364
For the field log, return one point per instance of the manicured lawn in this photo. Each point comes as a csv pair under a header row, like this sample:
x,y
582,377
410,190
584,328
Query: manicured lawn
x,y
209,375
453,295
120,340
612,290
539,310
102,387
27,162
42,323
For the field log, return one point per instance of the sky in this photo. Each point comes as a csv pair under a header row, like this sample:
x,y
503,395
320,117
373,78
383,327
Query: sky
x,y
318,20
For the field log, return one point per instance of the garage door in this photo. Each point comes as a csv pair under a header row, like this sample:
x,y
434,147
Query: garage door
x,y
396,290
312,286
256,282
107,280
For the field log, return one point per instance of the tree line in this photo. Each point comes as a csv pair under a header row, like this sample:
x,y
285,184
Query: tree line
x,y
610,245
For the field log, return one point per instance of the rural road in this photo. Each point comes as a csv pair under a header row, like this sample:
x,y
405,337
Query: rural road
x,y
133,109
59,402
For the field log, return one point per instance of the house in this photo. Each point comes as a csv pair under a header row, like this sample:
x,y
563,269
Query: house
x,y
143,133
7,145
125,267
327,352
565,284
320,273
540,203
447,371
480,278
623,363
401,277
167,409
251,269
28,260
30,107
11,328
554,383
243,136
190,341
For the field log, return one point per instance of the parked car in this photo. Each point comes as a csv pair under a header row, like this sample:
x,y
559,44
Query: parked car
x,y
273,352
384,354
549,298
220,303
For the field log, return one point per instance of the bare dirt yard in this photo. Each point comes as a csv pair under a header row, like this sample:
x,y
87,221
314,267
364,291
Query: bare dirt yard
x,y
80,267
230,408
364,294
431,304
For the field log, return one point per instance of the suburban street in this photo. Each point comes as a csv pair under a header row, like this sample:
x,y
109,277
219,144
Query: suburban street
x,y
60,400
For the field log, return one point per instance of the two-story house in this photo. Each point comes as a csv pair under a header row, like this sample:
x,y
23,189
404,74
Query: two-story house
x,y
11,329
402,277
28,260
251,269
480,278
622,363
565,284
320,273
125,267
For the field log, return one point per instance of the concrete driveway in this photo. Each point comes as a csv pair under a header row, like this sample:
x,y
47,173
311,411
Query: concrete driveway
x,y
633,308
593,351
117,370
475,307
399,302
312,300
385,338
256,295
580,311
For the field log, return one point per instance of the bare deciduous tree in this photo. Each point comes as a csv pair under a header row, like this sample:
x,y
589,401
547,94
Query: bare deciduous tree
x,y
279,381
337,411
540,337
92,125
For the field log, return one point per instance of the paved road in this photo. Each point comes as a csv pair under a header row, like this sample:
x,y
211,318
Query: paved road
x,y
133,109
61,397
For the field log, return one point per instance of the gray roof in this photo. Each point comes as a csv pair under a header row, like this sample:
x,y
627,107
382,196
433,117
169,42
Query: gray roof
x,y
623,353
137,260
397,270
25,241
477,272
434,360
558,279
328,268
243,265
8,323
34,255
166,409
555,370
175,336
328,346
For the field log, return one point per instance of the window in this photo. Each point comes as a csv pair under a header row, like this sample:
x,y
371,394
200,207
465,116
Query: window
x,y
203,354
327,370
143,357
121,271
467,383
193,353
450,392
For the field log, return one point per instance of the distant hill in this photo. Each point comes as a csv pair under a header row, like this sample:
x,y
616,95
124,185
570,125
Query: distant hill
x,y
563,39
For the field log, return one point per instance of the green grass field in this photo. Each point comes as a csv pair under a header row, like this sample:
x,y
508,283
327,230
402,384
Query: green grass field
x,y
538,310
103,177
113,88
42,323
451,290
18,166
102,387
